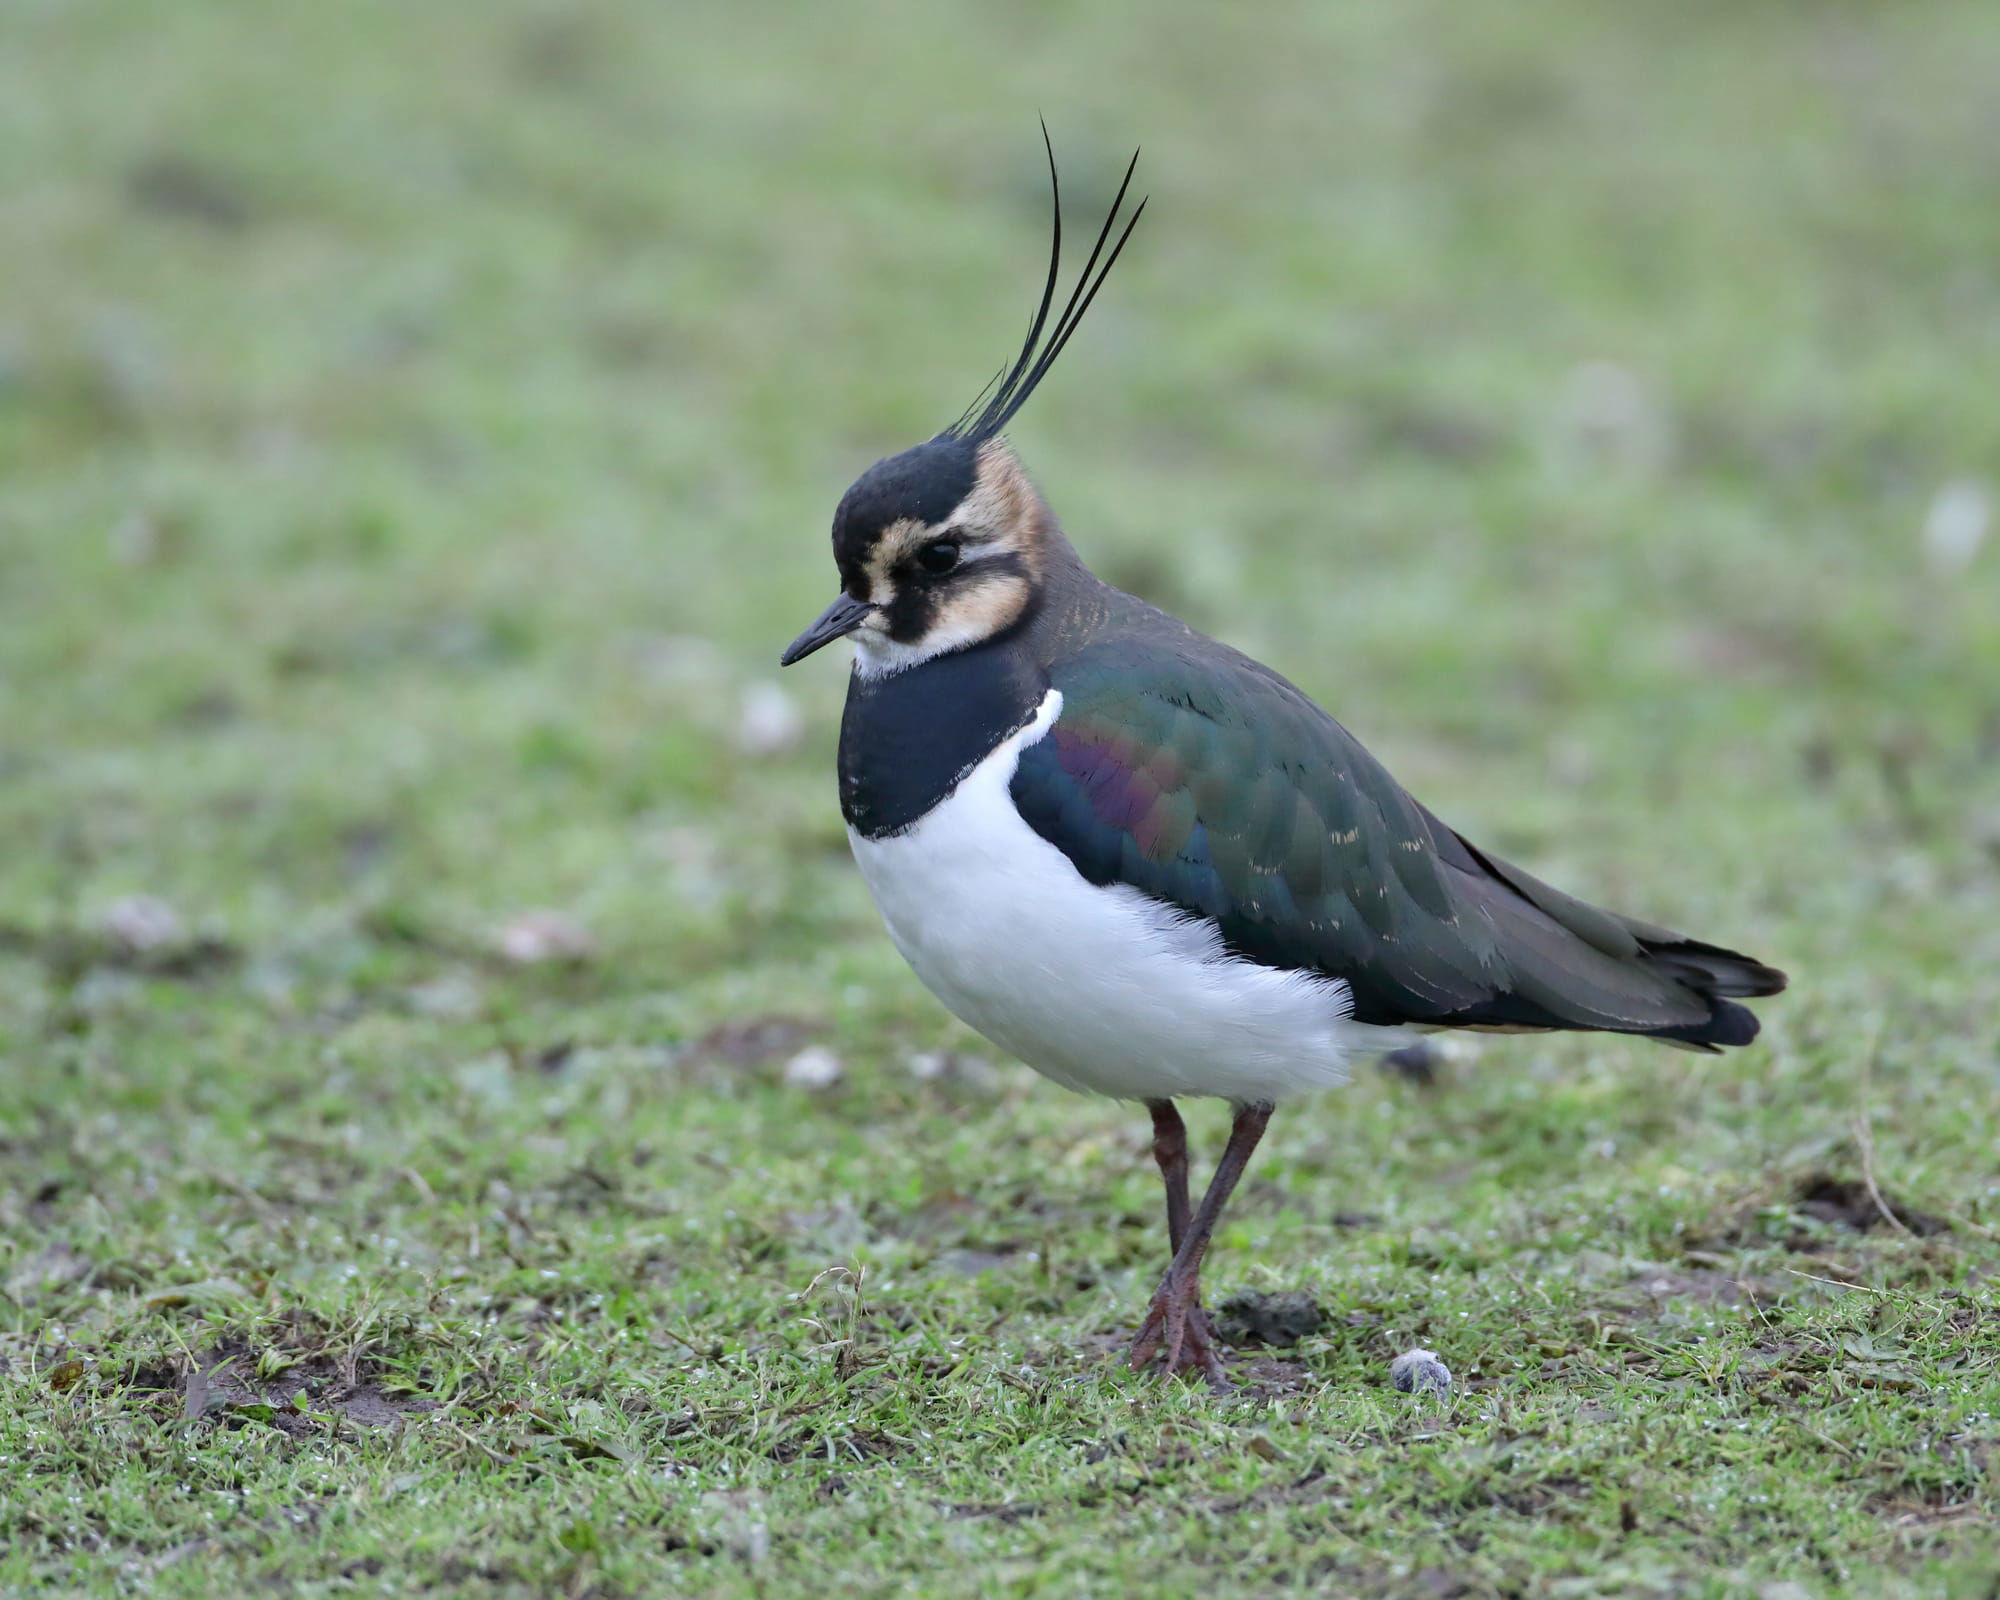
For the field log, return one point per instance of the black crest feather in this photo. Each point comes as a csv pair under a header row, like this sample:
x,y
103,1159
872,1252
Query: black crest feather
x,y
1006,392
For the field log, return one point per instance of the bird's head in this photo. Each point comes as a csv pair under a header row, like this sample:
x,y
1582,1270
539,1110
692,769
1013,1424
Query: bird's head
x,y
946,545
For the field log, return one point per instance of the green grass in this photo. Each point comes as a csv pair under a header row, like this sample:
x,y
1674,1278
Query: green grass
x,y
418,429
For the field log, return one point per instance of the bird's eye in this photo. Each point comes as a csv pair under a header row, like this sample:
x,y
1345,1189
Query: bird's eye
x,y
938,557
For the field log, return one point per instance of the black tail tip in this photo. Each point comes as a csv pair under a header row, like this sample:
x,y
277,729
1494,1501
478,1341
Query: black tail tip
x,y
1732,1024
1728,1026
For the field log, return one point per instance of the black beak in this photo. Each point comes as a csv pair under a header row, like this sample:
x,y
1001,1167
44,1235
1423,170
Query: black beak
x,y
835,622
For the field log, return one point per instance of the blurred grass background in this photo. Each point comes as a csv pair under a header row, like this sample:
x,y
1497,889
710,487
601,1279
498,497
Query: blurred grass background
x,y
418,431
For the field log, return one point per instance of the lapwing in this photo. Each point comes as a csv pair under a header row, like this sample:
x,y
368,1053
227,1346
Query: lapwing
x,y
1149,866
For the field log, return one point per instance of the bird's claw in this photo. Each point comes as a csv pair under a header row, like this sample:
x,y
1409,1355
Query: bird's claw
x,y
1178,1332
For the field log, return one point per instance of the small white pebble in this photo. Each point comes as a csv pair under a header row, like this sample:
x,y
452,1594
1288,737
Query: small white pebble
x,y
1420,1372
814,1067
1955,526
768,721
141,922
927,1066
534,936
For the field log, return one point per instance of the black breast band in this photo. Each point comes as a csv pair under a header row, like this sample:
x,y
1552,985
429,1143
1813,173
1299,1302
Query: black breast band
x,y
908,738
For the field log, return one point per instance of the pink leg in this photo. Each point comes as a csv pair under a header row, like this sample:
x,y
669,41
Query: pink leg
x,y
1176,1328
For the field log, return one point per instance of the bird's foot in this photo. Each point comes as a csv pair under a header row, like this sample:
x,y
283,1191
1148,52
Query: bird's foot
x,y
1178,1333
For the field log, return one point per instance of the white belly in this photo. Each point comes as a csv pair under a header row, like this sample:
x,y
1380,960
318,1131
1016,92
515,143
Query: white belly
x,y
1104,990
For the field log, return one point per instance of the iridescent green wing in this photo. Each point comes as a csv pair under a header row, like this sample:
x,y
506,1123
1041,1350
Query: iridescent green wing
x,y
1197,777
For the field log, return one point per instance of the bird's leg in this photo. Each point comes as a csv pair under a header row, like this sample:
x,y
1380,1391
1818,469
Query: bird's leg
x,y
1170,1151
1175,1329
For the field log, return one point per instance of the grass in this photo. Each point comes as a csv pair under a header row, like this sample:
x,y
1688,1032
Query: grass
x,y
418,429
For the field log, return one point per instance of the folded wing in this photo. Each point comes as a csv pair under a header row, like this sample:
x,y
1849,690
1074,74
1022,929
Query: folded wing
x,y
1214,785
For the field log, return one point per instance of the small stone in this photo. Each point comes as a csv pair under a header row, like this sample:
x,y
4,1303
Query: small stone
x,y
537,936
1279,1320
768,721
815,1068
1420,1372
140,923
1955,526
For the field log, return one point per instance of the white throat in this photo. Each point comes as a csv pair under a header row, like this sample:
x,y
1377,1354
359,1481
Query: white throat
x,y
876,655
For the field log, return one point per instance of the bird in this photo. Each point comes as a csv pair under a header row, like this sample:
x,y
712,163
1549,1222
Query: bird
x,y
1150,866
